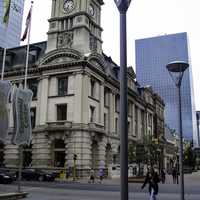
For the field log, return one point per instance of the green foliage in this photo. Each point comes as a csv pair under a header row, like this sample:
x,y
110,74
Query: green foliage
x,y
189,157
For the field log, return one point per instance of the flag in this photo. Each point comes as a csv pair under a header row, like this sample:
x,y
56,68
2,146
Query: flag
x,y
28,22
21,114
7,4
5,88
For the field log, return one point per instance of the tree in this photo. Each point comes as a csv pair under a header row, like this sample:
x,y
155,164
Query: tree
x,y
189,157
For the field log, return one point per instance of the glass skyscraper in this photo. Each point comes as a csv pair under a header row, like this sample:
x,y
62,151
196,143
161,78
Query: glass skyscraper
x,y
152,56
10,36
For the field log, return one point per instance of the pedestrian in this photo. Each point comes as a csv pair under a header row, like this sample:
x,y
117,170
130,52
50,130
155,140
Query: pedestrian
x,y
152,179
101,174
174,175
91,180
162,174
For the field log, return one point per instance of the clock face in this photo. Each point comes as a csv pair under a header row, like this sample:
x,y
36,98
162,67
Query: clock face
x,y
91,10
68,5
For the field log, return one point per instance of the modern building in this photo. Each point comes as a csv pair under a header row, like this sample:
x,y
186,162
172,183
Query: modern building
x,y
152,56
10,35
75,105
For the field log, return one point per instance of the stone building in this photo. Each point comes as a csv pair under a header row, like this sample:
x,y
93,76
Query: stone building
x,y
75,106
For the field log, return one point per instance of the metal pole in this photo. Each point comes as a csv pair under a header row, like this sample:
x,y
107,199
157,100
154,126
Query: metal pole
x,y
3,64
123,109
181,144
20,167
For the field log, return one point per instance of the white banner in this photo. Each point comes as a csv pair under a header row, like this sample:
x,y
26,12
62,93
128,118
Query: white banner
x,y
5,88
21,115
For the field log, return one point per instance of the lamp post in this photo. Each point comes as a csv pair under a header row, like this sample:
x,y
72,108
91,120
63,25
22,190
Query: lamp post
x,y
176,70
123,6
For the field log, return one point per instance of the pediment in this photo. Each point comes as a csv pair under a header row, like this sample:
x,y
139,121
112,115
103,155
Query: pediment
x,y
60,56
97,61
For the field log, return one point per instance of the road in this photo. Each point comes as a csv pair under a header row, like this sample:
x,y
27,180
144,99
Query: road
x,y
83,191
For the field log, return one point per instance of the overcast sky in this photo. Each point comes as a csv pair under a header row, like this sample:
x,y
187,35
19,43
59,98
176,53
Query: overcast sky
x,y
145,18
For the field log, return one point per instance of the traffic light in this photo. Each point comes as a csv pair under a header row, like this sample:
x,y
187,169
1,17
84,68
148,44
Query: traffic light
x,y
75,156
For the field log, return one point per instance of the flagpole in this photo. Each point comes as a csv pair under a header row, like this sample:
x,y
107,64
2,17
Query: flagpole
x,y
25,86
27,52
3,64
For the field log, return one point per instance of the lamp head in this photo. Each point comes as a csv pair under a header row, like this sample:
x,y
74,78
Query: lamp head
x,y
176,70
122,5
177,66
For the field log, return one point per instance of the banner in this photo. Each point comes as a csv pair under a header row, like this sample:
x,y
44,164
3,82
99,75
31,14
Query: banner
x,y
7,4
21,115
28,22
5,88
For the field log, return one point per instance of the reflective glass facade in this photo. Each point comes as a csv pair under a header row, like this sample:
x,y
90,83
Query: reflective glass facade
x,y
152,56
10,37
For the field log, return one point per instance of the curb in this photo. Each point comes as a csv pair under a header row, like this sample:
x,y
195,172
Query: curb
x,y
13,196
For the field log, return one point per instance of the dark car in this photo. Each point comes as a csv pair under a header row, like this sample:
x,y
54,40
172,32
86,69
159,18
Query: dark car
x,y
36,175
5,178
7,172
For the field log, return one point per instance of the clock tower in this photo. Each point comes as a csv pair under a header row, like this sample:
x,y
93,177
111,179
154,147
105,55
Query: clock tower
x,y
75,24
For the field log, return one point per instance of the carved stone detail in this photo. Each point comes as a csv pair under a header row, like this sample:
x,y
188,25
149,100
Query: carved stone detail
x,y
65,40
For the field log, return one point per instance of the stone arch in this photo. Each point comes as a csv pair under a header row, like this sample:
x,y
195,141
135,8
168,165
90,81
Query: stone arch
x,y
27,155
97,60
95,155
58,152
108,156
60,55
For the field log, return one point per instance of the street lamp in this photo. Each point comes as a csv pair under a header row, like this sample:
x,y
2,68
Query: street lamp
x,y
123,6
176,70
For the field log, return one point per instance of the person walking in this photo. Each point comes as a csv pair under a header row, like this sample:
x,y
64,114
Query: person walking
x,y
162,174
101,174
91,180
152,179
174,175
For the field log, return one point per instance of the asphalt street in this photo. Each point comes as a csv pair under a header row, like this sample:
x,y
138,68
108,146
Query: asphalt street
x,y
49,193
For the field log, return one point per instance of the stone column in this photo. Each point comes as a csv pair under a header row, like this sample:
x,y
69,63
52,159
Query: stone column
x,y
41,153
111,113
43,101
11,157
80,144
102,151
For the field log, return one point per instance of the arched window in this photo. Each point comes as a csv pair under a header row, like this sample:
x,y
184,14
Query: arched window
x,y
59,153
2,154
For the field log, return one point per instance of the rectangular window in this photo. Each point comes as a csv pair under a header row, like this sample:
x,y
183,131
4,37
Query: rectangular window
x,y
106,93
92,114
33,117
62,112
62,86
33,86
116,103
92,92
116,125
105,119
136,120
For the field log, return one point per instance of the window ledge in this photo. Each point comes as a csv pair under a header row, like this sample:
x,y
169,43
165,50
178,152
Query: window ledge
x,y
56,96
93,98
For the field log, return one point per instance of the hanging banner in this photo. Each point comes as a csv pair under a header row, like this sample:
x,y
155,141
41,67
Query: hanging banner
x,y
21,115
5,88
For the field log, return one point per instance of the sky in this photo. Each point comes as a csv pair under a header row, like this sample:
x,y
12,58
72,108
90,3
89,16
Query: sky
x,y
145,18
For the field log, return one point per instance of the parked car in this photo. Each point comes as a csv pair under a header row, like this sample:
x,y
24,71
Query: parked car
x,y
36,175
5,178
9,173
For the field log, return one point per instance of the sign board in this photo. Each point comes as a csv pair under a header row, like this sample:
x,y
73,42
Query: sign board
x,y
21,114
5,88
